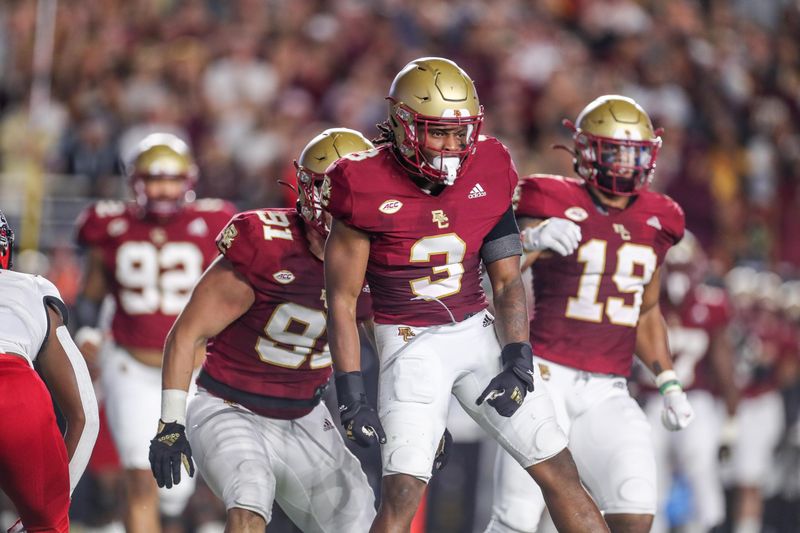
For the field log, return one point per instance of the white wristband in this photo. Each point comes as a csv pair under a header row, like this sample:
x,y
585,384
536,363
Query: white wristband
x,y
173,406
668,381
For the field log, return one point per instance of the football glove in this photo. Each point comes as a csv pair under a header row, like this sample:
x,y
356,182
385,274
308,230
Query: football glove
x,y
443,451
677,413
557,234
168,450
360,421
507,390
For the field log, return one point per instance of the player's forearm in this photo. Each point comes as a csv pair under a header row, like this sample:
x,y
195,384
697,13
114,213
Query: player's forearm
x,y
722,362
179,354
512,312
343,336
652,347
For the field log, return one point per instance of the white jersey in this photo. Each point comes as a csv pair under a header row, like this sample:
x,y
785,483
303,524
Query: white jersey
x,y
23,312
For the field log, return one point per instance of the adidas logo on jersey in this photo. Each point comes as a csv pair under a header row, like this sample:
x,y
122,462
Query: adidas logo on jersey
x,y
476,192
327,425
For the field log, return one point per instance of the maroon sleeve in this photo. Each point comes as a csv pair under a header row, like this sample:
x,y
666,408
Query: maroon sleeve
x,y
237,242
534,197
513,175
92,223
337,195
675,221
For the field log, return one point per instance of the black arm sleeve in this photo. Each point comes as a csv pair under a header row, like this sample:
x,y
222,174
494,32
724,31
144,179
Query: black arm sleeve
x,y
503,240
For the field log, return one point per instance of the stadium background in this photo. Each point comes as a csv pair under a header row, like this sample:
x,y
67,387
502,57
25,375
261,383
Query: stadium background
x,y
248,82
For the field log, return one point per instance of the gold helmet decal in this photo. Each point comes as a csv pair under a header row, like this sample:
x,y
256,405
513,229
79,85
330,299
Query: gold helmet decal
x,y
312,186
615,145
162,156
433,93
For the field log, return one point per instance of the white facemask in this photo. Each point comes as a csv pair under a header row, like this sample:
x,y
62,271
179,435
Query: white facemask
x,y
448,165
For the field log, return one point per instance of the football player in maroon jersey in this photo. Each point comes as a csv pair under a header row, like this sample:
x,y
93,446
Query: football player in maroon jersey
x,y
598,242
38,467
257,428
147,255
418,215
766,346
697,316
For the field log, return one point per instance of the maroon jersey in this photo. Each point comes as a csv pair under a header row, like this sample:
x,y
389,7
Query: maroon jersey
x,y
703,314
586,305
424,263
151,265
274,359
764,341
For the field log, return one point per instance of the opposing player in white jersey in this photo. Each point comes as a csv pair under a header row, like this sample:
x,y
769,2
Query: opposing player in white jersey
x,y
147,255
38,467
256,427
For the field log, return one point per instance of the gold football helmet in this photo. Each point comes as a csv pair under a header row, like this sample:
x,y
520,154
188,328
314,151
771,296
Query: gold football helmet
x,y
314,160
615,145
433,92
162,156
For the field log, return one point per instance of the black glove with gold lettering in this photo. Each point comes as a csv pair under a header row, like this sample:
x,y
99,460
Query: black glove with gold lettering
x,y
360,421
507,389
170,449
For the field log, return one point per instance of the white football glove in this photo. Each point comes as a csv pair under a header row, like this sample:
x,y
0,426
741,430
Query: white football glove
x,y
677,412
557,234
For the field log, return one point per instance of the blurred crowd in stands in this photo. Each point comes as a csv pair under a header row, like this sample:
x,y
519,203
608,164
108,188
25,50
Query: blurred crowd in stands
x,y
247,82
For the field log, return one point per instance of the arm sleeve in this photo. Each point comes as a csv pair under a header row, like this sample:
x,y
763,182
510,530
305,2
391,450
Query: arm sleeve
x,y
83,451
503,239
235,242
337,197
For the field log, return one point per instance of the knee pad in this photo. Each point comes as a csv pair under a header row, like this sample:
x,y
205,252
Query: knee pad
x,y
173,501
634,489
411,460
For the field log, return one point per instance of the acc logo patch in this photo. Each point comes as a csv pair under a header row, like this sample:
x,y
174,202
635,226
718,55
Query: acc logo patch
x,y
117,227
576,214
283,276
390,207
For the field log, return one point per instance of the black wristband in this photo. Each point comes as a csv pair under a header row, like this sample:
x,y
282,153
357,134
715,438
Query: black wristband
x,y
517,350
349,386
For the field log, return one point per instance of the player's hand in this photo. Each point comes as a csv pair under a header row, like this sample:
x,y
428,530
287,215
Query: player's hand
x,y
168,450
507,390
443,451
557,234
677,412
360,421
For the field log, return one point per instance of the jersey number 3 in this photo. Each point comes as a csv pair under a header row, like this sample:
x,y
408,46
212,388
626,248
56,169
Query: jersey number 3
x,y
627,278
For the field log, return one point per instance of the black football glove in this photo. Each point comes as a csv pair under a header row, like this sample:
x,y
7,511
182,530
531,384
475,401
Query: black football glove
x,y
507,389
443,451
168,450
360,421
